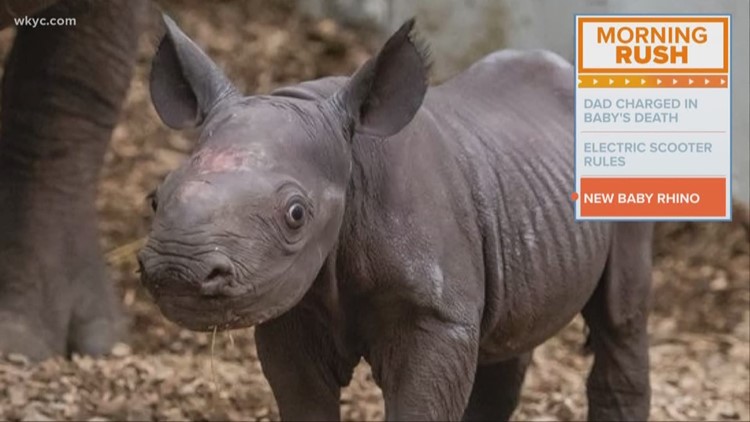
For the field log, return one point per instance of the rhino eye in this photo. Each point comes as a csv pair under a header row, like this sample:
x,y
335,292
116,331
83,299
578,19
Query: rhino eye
x,y
151,198
295,215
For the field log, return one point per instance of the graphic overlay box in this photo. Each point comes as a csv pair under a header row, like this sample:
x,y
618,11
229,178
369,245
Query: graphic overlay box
x,y
653,118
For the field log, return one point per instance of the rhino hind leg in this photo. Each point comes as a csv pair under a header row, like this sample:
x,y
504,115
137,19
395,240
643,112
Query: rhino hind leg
x,y
618,385
63,88
497,388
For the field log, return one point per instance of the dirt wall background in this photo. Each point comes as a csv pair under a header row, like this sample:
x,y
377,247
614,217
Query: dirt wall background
x,y
700,326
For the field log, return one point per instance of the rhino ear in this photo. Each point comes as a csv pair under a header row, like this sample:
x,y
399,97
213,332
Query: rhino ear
x,y
385,93
185,83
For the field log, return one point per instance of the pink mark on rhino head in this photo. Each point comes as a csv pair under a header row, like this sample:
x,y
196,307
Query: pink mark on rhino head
x,y
229,159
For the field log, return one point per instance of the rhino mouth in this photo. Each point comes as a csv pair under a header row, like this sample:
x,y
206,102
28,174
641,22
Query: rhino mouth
x,y
190,295
208,313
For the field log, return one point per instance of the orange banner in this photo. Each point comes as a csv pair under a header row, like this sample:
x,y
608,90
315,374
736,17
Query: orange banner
x,y
650,81
652,44
653,197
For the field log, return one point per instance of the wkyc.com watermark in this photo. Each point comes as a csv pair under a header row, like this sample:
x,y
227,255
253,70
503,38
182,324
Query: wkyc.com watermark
x,y
33,22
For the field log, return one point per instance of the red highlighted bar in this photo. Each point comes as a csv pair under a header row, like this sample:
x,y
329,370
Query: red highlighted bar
x,y
653,197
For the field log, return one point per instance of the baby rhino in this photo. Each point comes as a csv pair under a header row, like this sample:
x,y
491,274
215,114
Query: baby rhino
x,y
426,230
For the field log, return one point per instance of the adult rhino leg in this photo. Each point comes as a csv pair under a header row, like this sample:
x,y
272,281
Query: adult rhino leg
x,y
618,386
63,88
496,390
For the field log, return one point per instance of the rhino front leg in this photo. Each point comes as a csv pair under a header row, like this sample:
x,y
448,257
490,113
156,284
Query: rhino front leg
x,y
63,88
618,386
304,365
426,369
496,390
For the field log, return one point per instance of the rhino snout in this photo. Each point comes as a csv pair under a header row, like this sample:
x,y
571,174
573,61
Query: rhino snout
x,y
207,275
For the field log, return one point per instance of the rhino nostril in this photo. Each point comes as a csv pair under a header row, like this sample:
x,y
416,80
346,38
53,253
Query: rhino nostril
x,y
218,272
218,278
221,268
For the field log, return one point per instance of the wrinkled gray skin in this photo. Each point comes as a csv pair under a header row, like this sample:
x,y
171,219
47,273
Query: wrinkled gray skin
x,y
436,237
62,91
